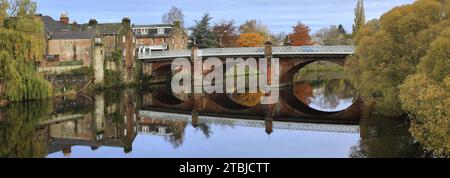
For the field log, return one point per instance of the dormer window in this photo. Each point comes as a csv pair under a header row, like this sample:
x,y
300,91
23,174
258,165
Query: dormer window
x,y
98,40
143,31
160,31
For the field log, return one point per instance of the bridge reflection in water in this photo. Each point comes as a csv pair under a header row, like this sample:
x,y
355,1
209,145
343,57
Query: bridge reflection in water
x,y
156,123
112,121
136,120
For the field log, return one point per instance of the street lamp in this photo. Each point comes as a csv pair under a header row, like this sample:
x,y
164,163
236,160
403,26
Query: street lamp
x,y
220,39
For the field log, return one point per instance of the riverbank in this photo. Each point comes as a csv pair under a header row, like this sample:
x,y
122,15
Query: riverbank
x,y
78,81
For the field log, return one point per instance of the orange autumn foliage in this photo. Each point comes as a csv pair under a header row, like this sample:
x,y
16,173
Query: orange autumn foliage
x,y
300,36
250,40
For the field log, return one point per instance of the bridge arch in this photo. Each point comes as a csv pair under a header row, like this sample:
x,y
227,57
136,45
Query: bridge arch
x,y
290,67
161,73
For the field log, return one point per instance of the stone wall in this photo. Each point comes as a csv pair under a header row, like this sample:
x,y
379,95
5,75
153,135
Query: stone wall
x,y
178,38
110,46
71,50
68,81
98,64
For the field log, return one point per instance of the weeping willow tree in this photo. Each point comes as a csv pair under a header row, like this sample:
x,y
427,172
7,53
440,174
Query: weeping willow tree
x,y
22,44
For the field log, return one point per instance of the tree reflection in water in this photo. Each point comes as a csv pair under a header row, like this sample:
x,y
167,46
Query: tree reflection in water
x,y
386,138
326,94
18,134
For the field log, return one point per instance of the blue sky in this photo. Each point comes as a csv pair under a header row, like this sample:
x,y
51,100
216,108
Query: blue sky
x,y
279,15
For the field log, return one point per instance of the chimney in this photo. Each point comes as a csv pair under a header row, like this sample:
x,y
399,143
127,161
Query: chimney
x,y
126,22
64,18
92,22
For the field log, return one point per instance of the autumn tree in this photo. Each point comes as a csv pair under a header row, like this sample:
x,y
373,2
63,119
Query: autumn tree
x,y
332,36
251,40
174,14
226,34
360,17
389,50
300,35
202,34
426,95
253,26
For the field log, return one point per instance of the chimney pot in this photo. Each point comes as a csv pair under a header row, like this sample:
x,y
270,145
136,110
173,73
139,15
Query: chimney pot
x,y
64,19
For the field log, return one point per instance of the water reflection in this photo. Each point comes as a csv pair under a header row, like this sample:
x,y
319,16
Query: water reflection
x,y
157,123
326,95
386,138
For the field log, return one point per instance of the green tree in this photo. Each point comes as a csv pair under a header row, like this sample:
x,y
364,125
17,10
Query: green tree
x,y
389,50
436,63
426,95
202,34
341,29
360,17
21,46
3,7
332,36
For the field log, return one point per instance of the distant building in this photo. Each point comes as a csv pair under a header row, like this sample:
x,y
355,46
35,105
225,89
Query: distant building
x,y
118,43
75,42
65,45
159,37
71,46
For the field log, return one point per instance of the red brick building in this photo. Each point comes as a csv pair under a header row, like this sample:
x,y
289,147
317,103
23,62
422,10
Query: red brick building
x,y
160,37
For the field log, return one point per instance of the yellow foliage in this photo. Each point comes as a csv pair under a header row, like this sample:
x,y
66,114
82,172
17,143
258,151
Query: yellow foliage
x,y
250,40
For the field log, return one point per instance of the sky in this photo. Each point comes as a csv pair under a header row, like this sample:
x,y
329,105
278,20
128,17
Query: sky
x,y
279,15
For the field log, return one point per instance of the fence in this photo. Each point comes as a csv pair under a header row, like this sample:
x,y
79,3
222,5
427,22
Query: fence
x,y
58,69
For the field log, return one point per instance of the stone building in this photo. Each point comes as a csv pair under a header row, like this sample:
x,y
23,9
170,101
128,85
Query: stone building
x,y
70,46
118,44
75,43
65,46
178,38
160,37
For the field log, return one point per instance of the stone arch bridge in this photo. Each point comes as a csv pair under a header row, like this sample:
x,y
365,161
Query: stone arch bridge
x,y
156,68
156,65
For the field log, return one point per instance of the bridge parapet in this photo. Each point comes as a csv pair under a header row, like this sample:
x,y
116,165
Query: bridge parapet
x,y
251,51
336,128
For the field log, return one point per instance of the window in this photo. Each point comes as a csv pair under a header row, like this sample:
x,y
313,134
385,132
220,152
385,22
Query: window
x,y
98,40
160,30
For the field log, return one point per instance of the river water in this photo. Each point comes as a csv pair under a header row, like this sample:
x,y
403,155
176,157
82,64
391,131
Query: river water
x,y
150,123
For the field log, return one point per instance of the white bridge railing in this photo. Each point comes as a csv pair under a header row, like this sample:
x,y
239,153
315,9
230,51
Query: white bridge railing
x,y
251,51
253,123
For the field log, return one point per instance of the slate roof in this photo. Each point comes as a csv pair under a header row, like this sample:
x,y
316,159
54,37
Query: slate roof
x,y
152,26
73,35
52,25
103,28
